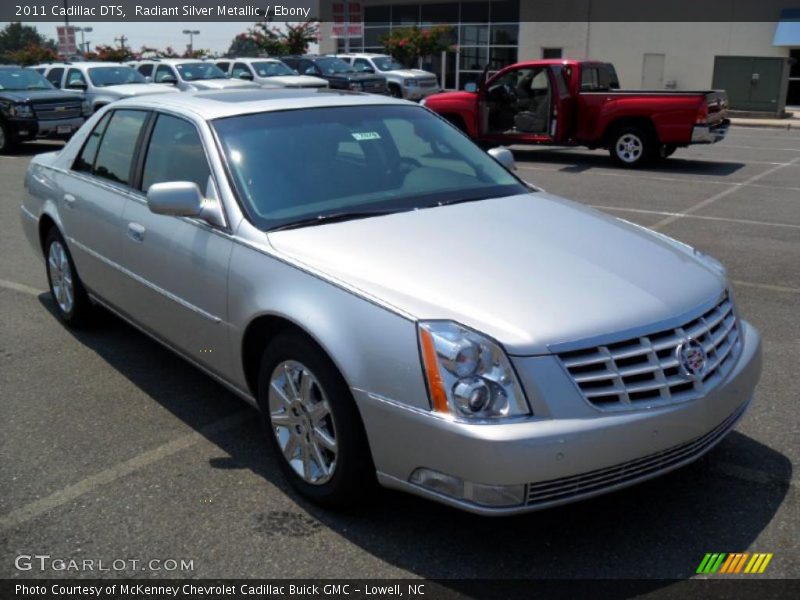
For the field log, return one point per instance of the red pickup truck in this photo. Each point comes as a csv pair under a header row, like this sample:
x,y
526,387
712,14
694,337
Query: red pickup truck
x,y
579,103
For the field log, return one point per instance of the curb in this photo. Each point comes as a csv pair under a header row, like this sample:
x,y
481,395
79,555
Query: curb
x,y
766,124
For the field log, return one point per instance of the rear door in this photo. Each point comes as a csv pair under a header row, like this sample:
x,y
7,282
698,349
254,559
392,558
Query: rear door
x,y
95,193
178,265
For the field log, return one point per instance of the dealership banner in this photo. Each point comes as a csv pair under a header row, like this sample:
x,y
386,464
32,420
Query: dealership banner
x,y
411,589
333,10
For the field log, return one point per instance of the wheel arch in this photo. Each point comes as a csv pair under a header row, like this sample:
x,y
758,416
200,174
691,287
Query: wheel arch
x,y
645,123
46,223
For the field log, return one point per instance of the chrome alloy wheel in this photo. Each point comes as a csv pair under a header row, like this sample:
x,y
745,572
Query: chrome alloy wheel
x,y
629,148
61,277
302,422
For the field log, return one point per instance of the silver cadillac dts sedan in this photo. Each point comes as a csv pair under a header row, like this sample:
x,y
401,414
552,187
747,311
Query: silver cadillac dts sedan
x,y
396,302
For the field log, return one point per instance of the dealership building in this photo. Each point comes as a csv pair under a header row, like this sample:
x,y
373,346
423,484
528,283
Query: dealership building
x,y
757,62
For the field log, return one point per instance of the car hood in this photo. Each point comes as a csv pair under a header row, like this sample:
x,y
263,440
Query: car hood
x,y
221,84
531,270
413,73
138,89
296,81
35,95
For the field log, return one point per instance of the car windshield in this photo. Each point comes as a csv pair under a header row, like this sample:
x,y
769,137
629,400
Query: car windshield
x,y
199,70
105,76
387,63
330,66
23,79
271,69
300,165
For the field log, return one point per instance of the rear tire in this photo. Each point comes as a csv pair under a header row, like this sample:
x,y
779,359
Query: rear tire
x,y
7,140
69,296
631,146
312,423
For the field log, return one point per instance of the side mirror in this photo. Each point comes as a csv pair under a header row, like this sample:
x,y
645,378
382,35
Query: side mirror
x,y
471,87
246,75
148,79
296,72
182,199
170,79
503,155
310,71
367,70
77,85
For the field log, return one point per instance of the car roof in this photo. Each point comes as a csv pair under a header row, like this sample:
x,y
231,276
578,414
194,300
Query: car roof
x,y
227,103
356,54
249,59
170,61
85,63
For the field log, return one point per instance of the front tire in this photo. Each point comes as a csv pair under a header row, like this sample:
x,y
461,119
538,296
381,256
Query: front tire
x,y
631,146
69,296
7,140
312,423
395,91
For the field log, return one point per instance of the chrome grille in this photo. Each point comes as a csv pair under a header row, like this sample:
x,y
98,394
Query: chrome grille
x,y
594,482
644,372
375,86
427,83
51,111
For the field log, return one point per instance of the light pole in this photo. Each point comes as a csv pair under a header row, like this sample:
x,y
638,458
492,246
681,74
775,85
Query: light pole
x,y
191,33
84,45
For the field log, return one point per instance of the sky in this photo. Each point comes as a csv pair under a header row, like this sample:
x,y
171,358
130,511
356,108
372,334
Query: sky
x,y
213,36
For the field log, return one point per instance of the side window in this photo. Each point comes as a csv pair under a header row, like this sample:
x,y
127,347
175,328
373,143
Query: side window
x,y
238,69
589,80
175,153
163,72
361,64
85,160
115,155
224,64
74,76
39,70
55,75
146,70
308,68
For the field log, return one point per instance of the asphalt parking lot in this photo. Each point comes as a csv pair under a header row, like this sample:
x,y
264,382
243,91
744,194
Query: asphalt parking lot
x,y
113,448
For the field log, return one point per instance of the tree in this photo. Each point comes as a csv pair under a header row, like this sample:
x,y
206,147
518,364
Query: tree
x,y
16,36
265,38
111,54
410,45
23,44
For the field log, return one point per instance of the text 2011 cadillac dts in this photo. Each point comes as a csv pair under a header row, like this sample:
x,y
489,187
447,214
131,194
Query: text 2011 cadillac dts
x,y
397,303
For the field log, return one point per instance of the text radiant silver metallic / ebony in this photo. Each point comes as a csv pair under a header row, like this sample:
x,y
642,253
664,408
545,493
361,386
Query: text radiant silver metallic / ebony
x,y
394,300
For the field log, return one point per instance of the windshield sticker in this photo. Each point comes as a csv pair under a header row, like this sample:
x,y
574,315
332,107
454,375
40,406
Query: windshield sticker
x,y
366,135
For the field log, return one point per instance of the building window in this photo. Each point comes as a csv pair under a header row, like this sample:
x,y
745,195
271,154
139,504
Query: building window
x,y
552,52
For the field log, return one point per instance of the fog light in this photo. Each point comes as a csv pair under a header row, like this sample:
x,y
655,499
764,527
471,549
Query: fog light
x,y
449,485
495,496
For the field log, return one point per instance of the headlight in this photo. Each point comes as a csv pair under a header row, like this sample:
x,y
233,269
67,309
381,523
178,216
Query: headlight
x,y
469,376
21,110
355,85
410,83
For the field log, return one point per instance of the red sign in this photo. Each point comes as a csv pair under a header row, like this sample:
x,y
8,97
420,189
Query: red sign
x,y
66,40
347,21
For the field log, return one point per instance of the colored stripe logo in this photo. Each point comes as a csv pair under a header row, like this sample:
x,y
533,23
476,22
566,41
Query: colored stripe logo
x,y
734,563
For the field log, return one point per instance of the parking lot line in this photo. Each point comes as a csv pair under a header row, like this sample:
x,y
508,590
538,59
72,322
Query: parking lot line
x,y
766,286
704,217
20,287
718,196
674,179
761,148
69,493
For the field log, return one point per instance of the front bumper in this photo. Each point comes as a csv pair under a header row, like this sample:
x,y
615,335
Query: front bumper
x,y
28,129
705,134
559,458
418,93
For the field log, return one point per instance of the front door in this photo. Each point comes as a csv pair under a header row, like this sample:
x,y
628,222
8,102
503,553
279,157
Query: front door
x,y
517,106
178,265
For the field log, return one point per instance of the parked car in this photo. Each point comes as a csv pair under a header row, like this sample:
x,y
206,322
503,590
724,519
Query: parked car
x,y
418,315
268,72
31,107
579,103
188,74
338,74
99,83
411,84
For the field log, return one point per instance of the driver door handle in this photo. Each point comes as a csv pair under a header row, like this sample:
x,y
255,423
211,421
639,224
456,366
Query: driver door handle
x,y
136,232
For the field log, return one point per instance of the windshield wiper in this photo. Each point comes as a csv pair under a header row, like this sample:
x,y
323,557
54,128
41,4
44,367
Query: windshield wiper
x,y
462,200
332,218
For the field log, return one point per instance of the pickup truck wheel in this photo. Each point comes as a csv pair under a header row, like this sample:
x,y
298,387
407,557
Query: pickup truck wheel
x,y
631,146
313,424
72,303
7,140
395,92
